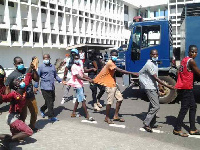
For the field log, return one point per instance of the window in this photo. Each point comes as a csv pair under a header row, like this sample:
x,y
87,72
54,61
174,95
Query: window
x,y
60,14
60,8
126,24
11,4
14,35
51,12
125,9
45,38
43,11
25,36
53,38
61,39
2,2
43,4
3,35
150,36
35,37
52,6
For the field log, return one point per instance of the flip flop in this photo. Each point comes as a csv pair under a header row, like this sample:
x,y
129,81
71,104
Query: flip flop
x,y
75,115
119,119
90,119
180,133
148,129
109,121
197,132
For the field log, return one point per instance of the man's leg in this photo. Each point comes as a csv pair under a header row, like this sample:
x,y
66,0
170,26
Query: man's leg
x,y
32,106
50,104
185,98
154,106
119,99
45,96
23,114
65,95
101,92
111,94
192,112
93,88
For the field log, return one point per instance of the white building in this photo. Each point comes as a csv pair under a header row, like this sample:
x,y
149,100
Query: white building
x,y
34,27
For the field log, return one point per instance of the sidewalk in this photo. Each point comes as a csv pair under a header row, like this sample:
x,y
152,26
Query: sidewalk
x,y
73,135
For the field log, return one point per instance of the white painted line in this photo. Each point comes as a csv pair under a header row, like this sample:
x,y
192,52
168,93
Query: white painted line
x,y
194,136
85,83
87,121
117,125
155,131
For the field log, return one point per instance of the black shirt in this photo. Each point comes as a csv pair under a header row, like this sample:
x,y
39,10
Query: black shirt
x,y
20,75
88,64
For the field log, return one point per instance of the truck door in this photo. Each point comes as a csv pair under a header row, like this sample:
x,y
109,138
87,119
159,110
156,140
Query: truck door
x,y
144,39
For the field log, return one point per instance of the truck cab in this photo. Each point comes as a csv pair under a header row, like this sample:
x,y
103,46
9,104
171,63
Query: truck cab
x,y
146,36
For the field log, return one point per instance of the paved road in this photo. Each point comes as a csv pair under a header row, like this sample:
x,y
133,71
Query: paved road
x,y
74,133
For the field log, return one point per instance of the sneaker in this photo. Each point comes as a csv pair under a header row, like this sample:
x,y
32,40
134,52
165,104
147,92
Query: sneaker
x,y
99,104
74,100
63,100
42,113
96,108
53,119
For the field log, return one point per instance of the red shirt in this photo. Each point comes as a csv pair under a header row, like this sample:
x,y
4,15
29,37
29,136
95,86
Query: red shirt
x,y
17,100
185,76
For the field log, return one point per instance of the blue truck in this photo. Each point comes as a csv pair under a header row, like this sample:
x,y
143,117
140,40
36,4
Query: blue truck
x,y
157,34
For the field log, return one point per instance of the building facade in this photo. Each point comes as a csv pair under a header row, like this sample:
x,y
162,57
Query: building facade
x,y
35,27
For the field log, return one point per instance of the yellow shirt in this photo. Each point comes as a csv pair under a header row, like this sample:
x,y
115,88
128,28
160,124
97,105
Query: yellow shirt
x,y
106,76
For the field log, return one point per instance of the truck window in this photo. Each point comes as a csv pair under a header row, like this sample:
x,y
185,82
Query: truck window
x,y
150,36
137,37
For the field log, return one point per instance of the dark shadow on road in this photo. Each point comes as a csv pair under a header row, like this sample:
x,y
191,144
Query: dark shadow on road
x,y
5,108
28,140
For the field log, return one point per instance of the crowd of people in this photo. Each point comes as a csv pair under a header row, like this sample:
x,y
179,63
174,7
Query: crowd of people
x,y
19,90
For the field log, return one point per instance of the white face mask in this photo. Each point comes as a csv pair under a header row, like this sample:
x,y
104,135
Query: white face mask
x,y
154,59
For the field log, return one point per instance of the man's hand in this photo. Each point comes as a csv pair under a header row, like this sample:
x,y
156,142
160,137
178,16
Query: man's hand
x,y
135,74
32,66
35,90
91,81
171,87
64,82
94,69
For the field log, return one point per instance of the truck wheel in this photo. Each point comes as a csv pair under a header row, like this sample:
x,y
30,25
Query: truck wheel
x,y
168,95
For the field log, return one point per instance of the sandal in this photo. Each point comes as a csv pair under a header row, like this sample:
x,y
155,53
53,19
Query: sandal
x,y
109,121
180,133
119,119
90,119
196,132
148,129
75,115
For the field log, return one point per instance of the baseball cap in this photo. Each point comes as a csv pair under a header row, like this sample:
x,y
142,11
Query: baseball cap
x,y
74,50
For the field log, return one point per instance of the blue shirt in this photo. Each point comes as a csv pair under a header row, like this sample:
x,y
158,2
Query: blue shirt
x,y
47,74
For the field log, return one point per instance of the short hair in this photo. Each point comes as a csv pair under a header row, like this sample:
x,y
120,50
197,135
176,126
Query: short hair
x,y
47,55
15,59
153,50
114,51
191,47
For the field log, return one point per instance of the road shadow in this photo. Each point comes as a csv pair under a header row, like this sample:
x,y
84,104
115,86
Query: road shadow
x,y
4,108
28,140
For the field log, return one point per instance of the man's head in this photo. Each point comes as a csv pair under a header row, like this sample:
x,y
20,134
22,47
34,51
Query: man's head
x,y
18,84
91,54
18,63
77,59
46,59
2,74
192,51
154,55
114,55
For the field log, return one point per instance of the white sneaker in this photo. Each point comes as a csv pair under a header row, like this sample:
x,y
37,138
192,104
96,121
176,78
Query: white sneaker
x,y
63,100
96,108
74,100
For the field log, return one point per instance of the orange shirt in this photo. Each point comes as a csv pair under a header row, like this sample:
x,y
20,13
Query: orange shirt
x,y
106,76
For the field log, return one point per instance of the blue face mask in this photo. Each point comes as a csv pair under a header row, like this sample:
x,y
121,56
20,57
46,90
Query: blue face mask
x,y
46,61
154,59
20,67
114,58
77,61
22,85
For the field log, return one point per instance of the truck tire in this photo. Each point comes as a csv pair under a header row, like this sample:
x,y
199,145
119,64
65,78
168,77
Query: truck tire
x,y
169,95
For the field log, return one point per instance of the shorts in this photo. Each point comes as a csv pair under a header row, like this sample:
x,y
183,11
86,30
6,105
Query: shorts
x,y
113,93
79,94
19,126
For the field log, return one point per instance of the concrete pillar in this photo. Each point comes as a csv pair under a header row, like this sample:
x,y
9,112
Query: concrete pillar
x,y
149,12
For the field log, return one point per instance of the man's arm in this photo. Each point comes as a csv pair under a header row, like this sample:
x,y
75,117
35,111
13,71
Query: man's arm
x,y
161,82
56,76
86,69
84,79
65,73
193,66
126,72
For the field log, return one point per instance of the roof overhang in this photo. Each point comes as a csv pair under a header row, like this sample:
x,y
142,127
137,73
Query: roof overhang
x,y
88,46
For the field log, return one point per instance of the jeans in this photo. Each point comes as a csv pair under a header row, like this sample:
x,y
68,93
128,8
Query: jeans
x,y
49,97
93,88
66,91
79,94
187,103
154,106
31,104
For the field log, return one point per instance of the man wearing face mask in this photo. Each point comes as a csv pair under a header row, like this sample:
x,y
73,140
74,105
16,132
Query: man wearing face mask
x,y
106,78
92,67
48,74
31,103
148,77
